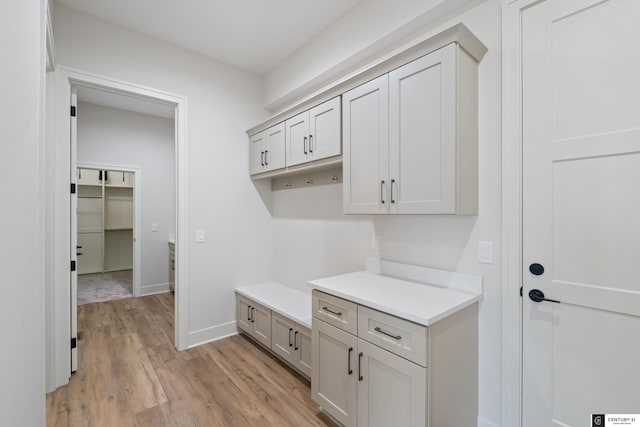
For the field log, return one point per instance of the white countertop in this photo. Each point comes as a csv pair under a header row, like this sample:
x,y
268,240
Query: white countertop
x,y
417,302
282,299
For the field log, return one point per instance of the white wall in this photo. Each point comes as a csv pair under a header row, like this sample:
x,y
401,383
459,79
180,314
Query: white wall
x,y
222,101
353,41
124,138
22,374
443,242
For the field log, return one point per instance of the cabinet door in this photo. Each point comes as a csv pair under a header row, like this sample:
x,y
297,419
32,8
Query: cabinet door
x,y
297,139
282,333
89,176
243,313
256,144
334,371
422,135
324,130
302,346
365,135
274,149
391,391
261,324
119,179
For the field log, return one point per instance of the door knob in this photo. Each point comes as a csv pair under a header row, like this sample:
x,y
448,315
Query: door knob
x,y
536,295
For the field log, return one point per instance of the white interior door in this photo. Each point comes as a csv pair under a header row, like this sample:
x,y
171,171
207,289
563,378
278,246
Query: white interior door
x,y
74,234
581,210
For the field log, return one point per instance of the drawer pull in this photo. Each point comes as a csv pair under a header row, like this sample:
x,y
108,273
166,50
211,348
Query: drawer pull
x,y
337,313
290,343
248,313
253,319
295,340
395,337
360,377
349,370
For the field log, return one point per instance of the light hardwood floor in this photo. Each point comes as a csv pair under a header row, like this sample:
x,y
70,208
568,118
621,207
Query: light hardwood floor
x,y
131,375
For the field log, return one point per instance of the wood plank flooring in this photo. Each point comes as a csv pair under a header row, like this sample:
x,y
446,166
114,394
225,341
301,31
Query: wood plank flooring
x,y
131,375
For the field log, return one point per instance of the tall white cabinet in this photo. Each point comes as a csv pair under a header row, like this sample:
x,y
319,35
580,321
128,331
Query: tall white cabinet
x,y
105,220
410,138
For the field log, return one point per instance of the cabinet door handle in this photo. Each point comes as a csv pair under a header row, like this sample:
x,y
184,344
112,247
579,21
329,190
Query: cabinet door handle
x,y
122,176
99,175
337,313
262,158
248,313
393,181
106,175
253,319
295,340
311,143
290,330
381,191
304,145
266,163
360,377
349,370
395,337
79,173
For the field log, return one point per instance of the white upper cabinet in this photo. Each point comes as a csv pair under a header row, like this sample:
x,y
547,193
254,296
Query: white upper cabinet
x,y
267,149
365,131
314,134
410,138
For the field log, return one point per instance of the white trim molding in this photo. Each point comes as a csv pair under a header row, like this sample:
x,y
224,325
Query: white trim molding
x,y
213,333
512,211
60,174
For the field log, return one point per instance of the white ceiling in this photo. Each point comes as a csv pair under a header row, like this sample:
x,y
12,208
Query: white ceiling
x,y
254,35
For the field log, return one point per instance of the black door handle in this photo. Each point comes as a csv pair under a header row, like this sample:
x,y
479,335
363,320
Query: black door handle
x,y
537,295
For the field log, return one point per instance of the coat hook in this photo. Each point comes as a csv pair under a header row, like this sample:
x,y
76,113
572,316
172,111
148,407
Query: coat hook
x,y
334,179
309,181
288,185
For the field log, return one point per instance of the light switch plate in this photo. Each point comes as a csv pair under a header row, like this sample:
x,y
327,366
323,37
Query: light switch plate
x,y
154,227
485,252
199,236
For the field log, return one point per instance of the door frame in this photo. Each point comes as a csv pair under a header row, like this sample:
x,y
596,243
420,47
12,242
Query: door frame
x,y
512,196
137,216
60,176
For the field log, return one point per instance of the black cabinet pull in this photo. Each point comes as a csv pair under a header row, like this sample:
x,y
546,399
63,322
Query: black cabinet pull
x,y
122,176
393,181
311,143
337,313
360,377
253,319
262,158
349,370
304,145
266,163
99,175
381,190
106,175
248,313
295,340
395,337
290,330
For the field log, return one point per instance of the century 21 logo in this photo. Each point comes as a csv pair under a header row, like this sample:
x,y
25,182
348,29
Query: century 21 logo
x,y
597,420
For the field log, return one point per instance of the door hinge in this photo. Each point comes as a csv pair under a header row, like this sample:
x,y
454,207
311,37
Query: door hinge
x,y
73,188
73,266
73,343
73,111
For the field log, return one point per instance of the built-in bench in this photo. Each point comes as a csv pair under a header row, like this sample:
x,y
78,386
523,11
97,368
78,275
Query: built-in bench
x,y
279,318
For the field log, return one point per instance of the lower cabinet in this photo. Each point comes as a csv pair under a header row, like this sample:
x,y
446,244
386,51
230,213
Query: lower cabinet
x,y
361,384
287,338
254,319
292,342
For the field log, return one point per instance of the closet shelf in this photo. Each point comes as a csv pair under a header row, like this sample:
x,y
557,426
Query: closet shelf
x,y
118,229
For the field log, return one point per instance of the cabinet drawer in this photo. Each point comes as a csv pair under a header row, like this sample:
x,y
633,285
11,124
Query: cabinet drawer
x,y
399,336
335,311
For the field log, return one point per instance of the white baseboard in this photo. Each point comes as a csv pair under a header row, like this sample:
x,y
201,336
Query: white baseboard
x,y
154,289
483,422
213,333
